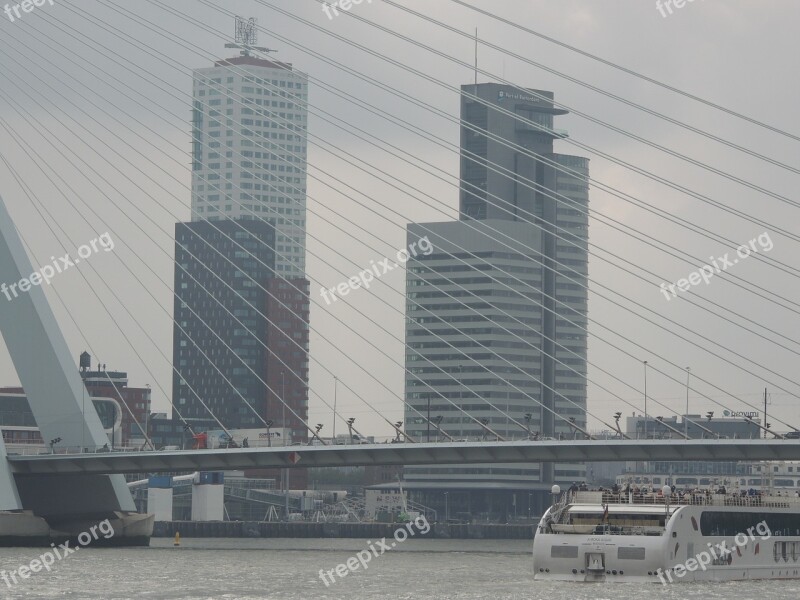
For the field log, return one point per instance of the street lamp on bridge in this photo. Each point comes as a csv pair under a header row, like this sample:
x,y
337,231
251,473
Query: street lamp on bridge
x,y
528,417
317,429
269,423
685,417
574,427
645,399
438,425
485,424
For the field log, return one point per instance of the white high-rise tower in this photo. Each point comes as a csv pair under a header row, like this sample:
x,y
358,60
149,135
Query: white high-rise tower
x,y
249,153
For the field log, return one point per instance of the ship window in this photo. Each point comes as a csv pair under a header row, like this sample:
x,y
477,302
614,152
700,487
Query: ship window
x,y
714,523
564,552
634,553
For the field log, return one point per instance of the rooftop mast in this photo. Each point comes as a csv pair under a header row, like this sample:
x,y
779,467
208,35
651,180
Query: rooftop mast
x,y
247,36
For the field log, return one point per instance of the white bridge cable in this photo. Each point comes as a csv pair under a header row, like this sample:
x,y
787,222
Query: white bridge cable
x,y
628,71
743,215
748,330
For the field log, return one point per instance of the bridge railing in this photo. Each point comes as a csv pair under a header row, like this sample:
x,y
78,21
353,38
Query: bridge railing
x,y
36,449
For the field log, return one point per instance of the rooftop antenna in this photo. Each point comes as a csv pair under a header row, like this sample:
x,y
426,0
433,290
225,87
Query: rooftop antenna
x,y
476,60
247,36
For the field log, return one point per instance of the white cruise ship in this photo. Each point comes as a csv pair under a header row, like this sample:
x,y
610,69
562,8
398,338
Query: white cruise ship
x,y
664,538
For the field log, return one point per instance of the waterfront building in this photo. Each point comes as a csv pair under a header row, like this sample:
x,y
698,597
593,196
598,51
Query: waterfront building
x,y
497,313
242,297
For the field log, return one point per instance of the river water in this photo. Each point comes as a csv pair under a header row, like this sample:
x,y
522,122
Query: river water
x,y
283,569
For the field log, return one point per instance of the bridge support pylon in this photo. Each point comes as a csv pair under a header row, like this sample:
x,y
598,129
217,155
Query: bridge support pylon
x,y
208,497
40,509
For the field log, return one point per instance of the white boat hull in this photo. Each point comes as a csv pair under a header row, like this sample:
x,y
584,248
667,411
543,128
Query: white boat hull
x,y
680,552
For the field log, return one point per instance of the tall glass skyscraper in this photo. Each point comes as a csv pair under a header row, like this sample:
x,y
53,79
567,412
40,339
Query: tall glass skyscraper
x,y
497,312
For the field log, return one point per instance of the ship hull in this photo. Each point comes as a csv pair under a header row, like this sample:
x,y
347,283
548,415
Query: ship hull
x,y
695,543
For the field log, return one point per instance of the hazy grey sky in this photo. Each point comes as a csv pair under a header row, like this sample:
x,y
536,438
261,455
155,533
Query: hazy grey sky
x,y
739,54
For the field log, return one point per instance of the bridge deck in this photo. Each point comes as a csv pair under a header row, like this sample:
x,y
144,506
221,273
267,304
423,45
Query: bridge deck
x,y
406,454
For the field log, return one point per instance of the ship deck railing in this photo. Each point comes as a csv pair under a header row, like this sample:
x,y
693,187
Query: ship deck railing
x,y
607,529
697,498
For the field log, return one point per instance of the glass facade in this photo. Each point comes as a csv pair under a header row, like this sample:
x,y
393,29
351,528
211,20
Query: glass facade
x,y
497,313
